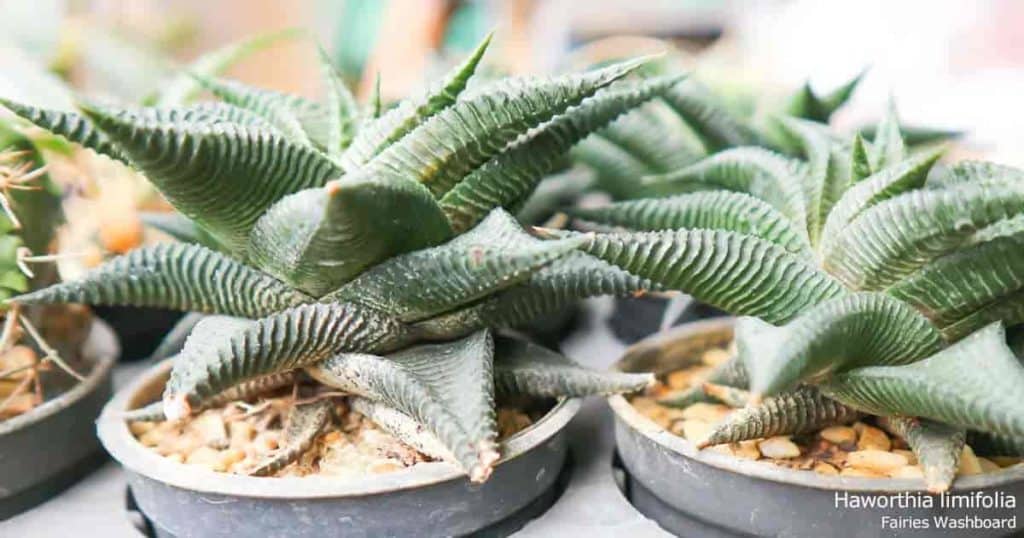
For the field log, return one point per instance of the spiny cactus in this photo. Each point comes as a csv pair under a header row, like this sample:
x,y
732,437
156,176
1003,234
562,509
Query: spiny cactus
x,y
371,251
864,273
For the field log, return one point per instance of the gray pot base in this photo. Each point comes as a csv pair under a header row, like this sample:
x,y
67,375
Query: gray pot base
x,y
432,499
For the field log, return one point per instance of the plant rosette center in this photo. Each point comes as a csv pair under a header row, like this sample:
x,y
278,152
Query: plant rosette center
x,y
848,446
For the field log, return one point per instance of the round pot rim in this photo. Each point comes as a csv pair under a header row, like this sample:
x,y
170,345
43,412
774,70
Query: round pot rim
x,y
123,447
103,363
633,418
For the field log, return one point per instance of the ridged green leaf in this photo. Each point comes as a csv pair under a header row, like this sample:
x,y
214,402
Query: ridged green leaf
x,y
457,140
758,172
898,236
937,446
714,124
341,109
990,444
522,368
418,382
246,390
976,383
214,361
174,339
616,171
71,126
402,119
860,165
957,284
513,174
859,329
493,256
806,103
178,276
179,227
655,135
278,109
1009,309
741,274
221,175
304,422
731,373
882,185
718,210
790,413
402,426
887,148
319,239
976,172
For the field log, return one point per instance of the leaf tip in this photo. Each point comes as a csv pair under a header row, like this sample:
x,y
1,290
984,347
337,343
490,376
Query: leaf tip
x,y
176,407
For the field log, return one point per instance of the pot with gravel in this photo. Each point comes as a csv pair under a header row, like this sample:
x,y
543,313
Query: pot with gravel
x,y
872,355
55,361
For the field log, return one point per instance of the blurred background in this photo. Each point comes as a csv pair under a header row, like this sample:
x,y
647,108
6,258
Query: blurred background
x,y
948,63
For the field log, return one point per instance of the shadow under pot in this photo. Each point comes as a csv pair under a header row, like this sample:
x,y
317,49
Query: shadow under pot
x,y
50,447
635,318
692,492
426,499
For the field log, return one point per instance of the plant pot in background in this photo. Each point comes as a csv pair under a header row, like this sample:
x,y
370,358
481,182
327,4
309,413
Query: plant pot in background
x,y
47,449
428,499
634,318
707,493
140,330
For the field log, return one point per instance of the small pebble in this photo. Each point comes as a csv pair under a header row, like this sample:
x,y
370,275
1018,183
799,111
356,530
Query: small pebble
x,y
140,427
779,448
876,460
825,469
840,435
909,454
694,430
987,465
240,433
747,450
909,471
707,412
872,438
205,456
860,473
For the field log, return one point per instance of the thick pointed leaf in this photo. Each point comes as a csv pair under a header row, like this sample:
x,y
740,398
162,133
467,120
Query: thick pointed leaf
x,y
418,382
513,174
401,120
174,340
657,136
495,255
616,171
976,172
549,291
883,185
523,368
177,276
887,148
402,426
755,171
741,274
69,125
214,361
806,103
247,390
457,140
305,421
278,109
860,165
221,175
801,411
716,126
320,238
341,108
957,284
937,446
731,396
898,236
976,383
1008,309
828,170
859,329
731,373
717,210
183,87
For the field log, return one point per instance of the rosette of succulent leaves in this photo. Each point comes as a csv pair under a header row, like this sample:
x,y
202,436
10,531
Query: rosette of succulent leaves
x,y
372,249
31,212
870,281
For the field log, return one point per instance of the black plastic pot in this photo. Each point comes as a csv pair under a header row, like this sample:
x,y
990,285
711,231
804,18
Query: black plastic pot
x,y
140,330
44,451
431,499
635,318
707,493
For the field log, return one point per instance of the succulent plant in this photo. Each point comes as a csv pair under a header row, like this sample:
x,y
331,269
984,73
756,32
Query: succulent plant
x,y
371,249
863,275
